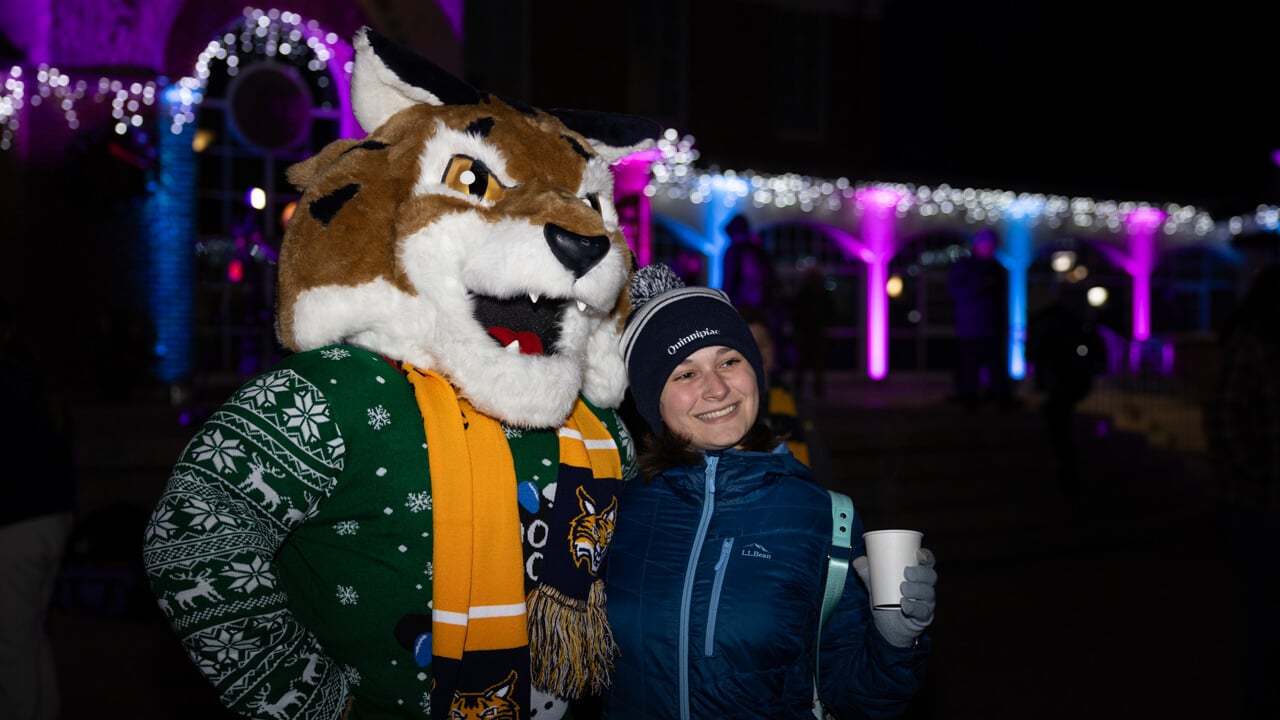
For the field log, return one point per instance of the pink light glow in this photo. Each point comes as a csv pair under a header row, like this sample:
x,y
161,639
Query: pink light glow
x,y
877,321
1145,219
1142,225
878,204
452,10
1141,305
879,197
1166,358
631,173
850,245
630,177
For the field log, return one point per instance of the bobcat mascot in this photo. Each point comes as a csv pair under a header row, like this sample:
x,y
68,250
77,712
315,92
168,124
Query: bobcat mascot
x,y
407,516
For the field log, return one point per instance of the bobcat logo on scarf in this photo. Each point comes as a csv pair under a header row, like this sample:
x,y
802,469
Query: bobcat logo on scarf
x,y
452,287
492,703
591,531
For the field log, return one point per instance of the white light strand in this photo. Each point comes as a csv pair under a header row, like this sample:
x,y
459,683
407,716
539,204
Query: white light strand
x,y
128,99
264,33
675,178
11,100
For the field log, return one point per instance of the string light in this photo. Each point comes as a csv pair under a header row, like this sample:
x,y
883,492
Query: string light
x,y
10,104
284,36
674,178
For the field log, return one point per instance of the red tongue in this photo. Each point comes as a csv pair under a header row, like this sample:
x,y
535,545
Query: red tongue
x,y
529,342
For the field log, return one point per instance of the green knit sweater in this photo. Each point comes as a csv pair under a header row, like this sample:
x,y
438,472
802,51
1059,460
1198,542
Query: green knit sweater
x,y
292,547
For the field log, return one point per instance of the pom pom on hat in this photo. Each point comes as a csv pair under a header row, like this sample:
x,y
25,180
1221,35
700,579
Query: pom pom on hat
x,y
651,281
670,321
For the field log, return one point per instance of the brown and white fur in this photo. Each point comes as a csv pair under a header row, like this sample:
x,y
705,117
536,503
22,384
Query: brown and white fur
x,y
461,213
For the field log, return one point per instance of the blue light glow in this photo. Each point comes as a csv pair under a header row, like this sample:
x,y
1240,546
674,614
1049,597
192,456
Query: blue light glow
x,y
170,247
1017,255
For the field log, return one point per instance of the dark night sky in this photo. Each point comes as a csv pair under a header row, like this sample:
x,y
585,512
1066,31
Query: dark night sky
x,y
1122,100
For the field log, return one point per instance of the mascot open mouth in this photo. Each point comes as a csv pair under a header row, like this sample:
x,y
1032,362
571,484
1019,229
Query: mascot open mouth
x,y
521,324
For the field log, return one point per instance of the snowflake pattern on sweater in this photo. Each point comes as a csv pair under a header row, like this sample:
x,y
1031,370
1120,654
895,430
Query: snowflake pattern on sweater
x,y
291,550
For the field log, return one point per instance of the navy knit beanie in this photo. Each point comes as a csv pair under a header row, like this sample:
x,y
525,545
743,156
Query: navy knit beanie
x,y
668,323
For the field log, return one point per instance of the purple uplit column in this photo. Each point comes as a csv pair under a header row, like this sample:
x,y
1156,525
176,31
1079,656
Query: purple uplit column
x,y
1141,225
630,180
877,206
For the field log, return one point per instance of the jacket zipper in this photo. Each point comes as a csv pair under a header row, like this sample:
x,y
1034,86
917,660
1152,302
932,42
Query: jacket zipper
x,y
686,597
722,567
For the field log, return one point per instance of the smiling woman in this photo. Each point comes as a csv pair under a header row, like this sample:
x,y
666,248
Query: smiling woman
x,y
711,398
671,325
728,524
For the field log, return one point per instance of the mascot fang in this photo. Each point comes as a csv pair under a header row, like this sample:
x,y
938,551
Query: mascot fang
x,y
407,516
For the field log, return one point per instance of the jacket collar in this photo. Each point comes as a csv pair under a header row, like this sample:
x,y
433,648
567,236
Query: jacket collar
x,y
739,473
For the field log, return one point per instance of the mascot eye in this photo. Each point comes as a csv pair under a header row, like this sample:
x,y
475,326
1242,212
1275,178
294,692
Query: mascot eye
x,y
592,201
469,176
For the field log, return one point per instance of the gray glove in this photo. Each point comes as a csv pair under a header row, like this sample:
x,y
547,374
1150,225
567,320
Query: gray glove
x,y
902,626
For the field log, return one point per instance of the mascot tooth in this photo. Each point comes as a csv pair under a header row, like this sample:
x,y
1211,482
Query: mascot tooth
x,y
390,522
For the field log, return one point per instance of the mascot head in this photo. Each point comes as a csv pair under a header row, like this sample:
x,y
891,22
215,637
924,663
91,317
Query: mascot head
x,y
467,234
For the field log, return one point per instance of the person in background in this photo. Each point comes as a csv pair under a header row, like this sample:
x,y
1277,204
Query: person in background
x,y
36,513
979,287
812,310
1066,353
750,279
784,413
1243,430
716,573
748,269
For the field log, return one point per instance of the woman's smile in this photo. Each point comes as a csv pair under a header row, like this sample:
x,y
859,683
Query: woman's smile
x,y
717,414
715,377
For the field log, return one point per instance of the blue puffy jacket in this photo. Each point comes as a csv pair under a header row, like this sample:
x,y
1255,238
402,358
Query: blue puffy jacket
x,y
715,583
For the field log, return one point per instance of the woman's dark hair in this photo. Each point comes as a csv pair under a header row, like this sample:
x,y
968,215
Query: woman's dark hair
x,y
661,453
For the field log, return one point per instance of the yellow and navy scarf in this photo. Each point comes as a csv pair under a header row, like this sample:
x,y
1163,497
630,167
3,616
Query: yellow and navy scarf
x,y
488,639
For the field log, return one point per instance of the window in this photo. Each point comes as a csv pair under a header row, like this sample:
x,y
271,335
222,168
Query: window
x,y
264,109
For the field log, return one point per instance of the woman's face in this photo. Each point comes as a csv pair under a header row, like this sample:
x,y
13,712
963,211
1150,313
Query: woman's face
x,y
711,398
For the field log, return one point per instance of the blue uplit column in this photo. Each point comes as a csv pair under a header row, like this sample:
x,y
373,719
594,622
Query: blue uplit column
x,y
1018,254
171,211
724,195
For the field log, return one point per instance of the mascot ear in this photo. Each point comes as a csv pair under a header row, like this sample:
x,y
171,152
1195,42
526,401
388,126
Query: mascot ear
x,y
387,78
301,173
613,135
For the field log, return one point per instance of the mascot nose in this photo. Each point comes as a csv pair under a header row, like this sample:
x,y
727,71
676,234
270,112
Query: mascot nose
x,y
576,252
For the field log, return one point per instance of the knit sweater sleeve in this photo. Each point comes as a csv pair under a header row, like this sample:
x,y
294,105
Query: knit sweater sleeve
x,y
252,473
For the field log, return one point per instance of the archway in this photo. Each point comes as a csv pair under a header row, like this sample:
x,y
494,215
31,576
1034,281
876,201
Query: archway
x,y
272,93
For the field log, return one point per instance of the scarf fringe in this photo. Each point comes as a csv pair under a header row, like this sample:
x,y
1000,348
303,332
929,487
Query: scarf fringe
x,y
570,642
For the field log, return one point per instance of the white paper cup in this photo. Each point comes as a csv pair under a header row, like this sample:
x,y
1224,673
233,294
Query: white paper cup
x,y
889,552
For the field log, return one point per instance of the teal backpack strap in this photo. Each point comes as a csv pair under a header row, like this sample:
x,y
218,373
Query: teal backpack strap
x,y
838,554
838,559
